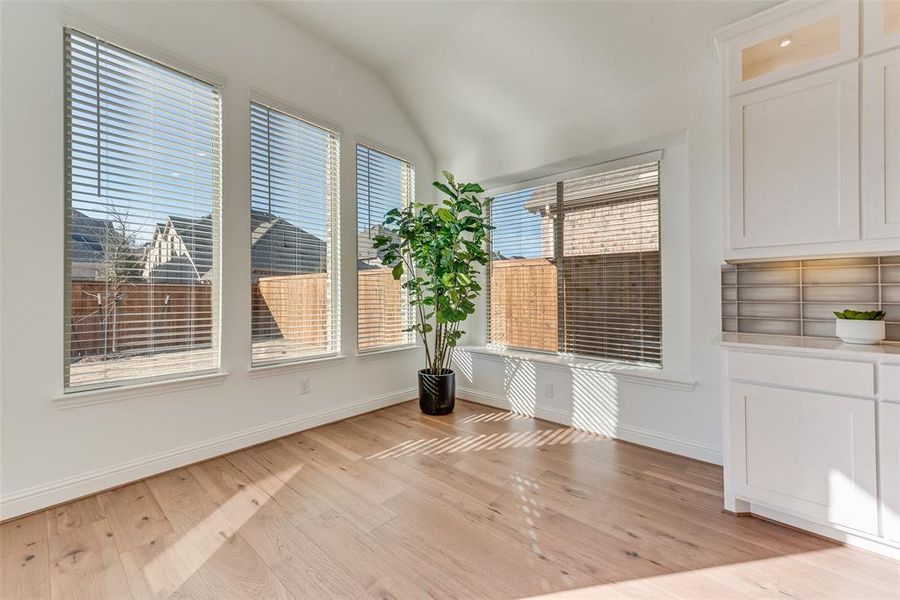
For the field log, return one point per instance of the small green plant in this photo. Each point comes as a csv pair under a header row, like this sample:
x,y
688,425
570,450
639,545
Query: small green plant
x,y
438,248
857,315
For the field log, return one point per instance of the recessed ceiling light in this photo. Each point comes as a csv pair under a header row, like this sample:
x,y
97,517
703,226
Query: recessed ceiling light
x,y
786,42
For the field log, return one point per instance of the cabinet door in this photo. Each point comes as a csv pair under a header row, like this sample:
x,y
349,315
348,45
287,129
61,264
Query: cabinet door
x,y
881,145
792,41
793,166
889,456
809,454
881,25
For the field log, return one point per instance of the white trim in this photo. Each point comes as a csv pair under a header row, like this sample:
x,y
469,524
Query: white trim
x,y
595,169
55,492
72,19
670,443
835,532
627,433
290,366
377,352
263,99
104,395
634,374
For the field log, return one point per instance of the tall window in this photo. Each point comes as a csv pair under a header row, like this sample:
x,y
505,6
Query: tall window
x,y
382,183
294,188
575,267
143,188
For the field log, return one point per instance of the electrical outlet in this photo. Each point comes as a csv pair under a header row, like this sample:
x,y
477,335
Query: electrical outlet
x,y
304,386
546,390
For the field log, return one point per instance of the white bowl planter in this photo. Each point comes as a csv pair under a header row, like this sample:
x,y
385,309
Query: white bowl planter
x,y
860,332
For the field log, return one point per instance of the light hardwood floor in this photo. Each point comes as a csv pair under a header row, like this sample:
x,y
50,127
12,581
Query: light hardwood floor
x,y
395,504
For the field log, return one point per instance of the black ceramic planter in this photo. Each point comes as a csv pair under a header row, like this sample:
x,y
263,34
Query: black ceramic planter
x,y
437,393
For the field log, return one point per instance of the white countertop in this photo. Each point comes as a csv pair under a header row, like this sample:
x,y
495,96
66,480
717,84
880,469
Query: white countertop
x,y
818,345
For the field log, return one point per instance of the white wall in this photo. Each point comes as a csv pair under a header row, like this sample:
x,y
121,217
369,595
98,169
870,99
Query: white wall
x,y
683,118
50,454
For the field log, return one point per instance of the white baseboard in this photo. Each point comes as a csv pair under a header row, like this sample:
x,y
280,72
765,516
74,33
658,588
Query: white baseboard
x,y
627,433
872,544
670,443
56,492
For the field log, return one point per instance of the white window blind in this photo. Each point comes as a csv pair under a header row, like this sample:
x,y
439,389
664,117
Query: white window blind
x,y
382,183
575,267
143,189
295,283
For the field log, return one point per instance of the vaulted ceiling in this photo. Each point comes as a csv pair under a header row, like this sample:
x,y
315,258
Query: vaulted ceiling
x,y
471,71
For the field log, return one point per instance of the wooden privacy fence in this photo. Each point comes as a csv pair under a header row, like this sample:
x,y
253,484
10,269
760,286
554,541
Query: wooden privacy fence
x,y
523,303
295,307
149,318
612,305
292,307
144,318
380,315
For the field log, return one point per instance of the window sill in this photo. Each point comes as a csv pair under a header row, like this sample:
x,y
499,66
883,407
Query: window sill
x,y
633,373
298,365
140,390
377,352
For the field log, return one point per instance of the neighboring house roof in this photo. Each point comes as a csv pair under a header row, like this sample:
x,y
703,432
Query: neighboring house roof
x,y
278,247
88,236
91,240
365,245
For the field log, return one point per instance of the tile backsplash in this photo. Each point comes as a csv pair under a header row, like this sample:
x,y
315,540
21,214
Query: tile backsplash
x,y
797,297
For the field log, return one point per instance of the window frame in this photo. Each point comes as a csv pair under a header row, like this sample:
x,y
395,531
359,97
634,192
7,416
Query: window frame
x,y
334,244
558,179
75,24
412,340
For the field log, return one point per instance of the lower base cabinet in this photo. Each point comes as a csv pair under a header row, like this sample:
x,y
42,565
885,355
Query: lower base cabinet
x,y
814,440
889,441
811,454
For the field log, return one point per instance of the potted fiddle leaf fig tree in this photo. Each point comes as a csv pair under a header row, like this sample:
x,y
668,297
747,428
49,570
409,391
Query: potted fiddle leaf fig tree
x,y
436,249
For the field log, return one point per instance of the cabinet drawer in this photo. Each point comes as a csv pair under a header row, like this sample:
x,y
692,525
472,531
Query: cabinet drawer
x,y
889,382
797,43
821,374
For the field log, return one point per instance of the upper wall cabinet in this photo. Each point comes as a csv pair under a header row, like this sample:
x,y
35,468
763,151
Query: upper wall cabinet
x,y
812,131
881,145
793,161
800,42
881,25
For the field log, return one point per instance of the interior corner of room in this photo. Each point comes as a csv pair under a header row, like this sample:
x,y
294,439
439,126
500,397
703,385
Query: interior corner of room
x,y
450,299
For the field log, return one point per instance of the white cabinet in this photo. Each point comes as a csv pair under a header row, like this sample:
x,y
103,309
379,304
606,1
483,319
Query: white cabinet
x,y
795,39
881,145
812,438
793,161
889,457
881,25
812,130
811,454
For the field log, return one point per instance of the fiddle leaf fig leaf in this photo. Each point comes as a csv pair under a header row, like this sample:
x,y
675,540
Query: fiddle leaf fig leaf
x,y
445,215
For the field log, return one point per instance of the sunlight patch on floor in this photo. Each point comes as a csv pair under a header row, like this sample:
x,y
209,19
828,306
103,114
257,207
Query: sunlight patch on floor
x,y
487,441
775,577
493,417
179,561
